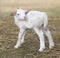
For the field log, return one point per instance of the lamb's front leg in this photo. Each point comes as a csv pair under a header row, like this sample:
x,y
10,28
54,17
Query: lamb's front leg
x,y
21,32
22,39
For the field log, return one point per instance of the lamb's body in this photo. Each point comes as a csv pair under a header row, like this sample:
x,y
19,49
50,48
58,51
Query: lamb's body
x,y
33,20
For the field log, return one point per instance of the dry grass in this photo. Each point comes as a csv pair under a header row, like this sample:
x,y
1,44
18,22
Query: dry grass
x,y
52,7
11,5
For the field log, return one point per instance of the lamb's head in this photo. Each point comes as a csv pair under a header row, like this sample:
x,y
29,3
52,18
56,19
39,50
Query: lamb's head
x,y
20,14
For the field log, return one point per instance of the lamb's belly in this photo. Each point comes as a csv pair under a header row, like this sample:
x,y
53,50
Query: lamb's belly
x,y
32,24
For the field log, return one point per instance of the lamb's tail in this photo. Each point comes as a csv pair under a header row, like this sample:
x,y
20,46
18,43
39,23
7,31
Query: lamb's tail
x,y
45,20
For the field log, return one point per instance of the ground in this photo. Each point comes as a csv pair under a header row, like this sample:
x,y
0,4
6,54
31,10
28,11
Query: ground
x,y
8,37
9,31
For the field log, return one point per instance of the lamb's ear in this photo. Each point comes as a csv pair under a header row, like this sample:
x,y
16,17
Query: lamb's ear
x,y
26,11
13,13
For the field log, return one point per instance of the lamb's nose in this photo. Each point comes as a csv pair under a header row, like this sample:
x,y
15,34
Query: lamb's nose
x,y
25,17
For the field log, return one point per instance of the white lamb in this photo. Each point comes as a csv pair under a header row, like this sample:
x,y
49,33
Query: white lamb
x,y
36,20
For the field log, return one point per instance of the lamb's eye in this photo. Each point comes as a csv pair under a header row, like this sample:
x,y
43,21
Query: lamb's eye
x,y
18,14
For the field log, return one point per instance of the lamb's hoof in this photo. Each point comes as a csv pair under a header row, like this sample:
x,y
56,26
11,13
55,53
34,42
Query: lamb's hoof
x,y
41,49
22,42
16,47
51,46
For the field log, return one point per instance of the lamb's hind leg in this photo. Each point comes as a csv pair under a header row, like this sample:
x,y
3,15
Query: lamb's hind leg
x,y
49,36
41,38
